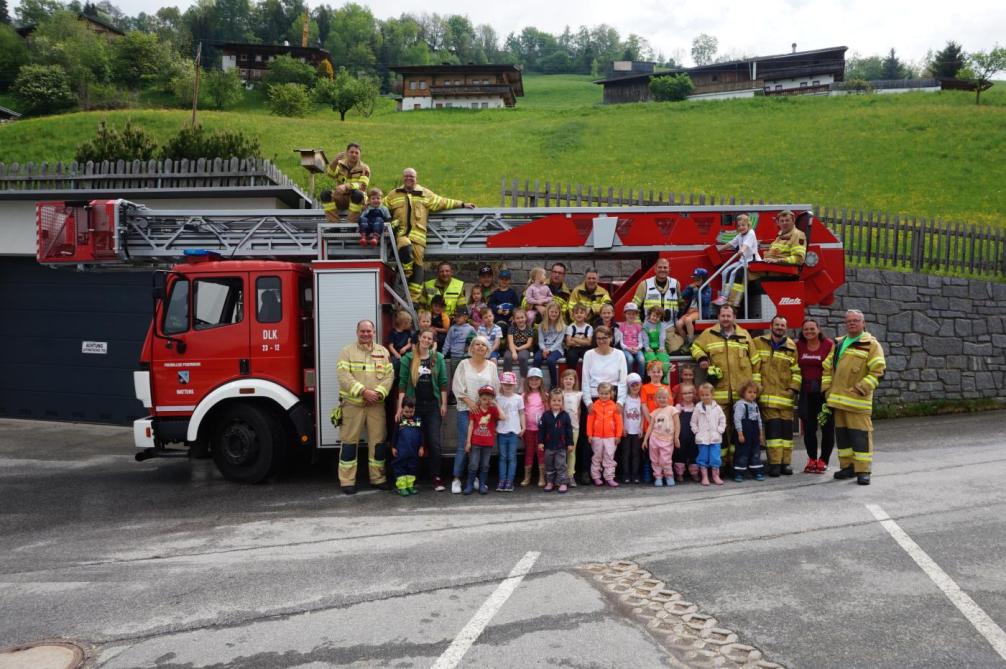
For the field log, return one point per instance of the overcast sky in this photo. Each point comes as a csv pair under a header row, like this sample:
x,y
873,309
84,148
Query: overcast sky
x,y
742,27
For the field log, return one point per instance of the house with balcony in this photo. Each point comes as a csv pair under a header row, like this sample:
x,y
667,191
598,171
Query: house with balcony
x,y
459,86
252,60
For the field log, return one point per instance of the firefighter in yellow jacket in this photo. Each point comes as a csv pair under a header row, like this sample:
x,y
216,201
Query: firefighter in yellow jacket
x,y
352,177
365,377
790,245
779,378
728,348
850,375
410,205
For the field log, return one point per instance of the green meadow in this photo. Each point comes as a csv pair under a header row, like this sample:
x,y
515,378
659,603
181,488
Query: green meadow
x,y
918,154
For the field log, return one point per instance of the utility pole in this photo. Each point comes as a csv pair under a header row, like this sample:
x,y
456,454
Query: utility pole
x,y
195,87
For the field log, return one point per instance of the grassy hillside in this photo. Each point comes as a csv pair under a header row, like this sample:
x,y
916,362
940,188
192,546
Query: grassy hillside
x,y
918,153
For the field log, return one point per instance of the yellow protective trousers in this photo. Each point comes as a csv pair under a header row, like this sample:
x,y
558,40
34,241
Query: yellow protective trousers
x,y
354,420
854,437
778,435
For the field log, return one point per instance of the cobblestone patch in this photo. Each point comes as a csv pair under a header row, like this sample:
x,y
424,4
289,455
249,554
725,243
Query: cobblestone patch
x,y
692,638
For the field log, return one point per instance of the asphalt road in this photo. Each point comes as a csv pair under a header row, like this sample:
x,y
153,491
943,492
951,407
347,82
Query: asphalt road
x,y
164,564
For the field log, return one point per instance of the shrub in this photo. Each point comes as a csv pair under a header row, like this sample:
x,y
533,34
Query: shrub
x,y
43,88
671,87
13,54
109,143
197,142
223,89
289,100
858,85
137,58
106,96
288,70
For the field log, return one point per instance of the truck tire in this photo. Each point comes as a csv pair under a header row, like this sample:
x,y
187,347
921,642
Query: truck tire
x,y
246,441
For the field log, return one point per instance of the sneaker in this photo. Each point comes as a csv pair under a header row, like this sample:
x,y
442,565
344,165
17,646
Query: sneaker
x,y
483,490
759,476
637,480
438,484
509,486
572,482
374,240
612,483
363,240
625,479
811,467
456,487
502,486
549,487
720,301
658,482
822,466
563,488
669,482
738,478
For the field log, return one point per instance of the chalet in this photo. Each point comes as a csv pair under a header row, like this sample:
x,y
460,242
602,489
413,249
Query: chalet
x,y
96,24
799,72
459,86
252,60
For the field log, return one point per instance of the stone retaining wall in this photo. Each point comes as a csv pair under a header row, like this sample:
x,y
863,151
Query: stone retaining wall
x,y
944,338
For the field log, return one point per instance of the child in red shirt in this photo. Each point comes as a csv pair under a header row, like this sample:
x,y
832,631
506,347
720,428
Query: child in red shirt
x,y
482,423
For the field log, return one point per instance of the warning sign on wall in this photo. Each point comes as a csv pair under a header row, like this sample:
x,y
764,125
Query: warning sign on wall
x,y
94,347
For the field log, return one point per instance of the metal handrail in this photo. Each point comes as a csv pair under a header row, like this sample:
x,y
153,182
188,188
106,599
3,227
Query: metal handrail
x,y
717,273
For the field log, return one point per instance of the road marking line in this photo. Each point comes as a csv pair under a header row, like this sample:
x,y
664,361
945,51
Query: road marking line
x,y
466,638
974,613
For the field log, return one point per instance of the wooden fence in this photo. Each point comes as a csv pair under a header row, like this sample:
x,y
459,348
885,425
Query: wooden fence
x,y
870,238
138,174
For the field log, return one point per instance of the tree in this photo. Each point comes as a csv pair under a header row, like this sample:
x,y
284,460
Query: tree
x,y
289,70
948,61
870,68
982,65
33,12
289,99
352,38
671,87
138,58
893,68
63,40
704,49
13,54
223,88
4,14
342,94
43,88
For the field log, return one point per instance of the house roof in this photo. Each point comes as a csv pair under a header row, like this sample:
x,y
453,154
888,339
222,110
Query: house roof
x,y
29,28
455,69
9,113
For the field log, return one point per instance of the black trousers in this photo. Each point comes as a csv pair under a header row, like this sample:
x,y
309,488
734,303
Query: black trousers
x,y
810,406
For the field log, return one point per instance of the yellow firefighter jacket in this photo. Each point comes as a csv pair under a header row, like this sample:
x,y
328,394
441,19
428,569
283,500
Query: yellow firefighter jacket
x,y
735,355
592,300
410,210
362,369
778,372
790,249
358,177
849,385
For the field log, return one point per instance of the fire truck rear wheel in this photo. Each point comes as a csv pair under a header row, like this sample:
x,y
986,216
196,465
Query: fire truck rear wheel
x,y
245,441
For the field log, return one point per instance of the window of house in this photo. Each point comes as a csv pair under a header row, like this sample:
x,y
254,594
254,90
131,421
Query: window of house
x,y
457,82
448,105
268,299
218,301
417,106
440,105
716,77
778,87
243,56
422,85
412,85
258,58
475,105
485,105
817,82
803,84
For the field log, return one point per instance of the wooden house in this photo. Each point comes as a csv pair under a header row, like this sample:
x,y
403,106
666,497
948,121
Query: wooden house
x,y
252,60
459,86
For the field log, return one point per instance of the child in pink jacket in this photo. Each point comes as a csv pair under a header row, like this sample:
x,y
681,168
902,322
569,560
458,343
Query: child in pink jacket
x,y
708,423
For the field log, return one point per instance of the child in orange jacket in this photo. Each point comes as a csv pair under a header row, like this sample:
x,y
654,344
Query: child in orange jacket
x,y
604,428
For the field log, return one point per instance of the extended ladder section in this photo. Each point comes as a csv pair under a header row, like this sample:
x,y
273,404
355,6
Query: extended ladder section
x,y
118,232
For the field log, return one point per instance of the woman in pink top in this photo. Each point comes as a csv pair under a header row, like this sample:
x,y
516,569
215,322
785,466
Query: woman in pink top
x,y
812,350
632,340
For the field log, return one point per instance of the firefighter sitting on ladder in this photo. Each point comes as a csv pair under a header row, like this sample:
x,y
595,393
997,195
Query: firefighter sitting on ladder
x,y
778,375
410,205
365,377
352,177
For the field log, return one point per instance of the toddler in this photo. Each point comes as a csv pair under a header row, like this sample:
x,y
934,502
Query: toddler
x,y
571,401
535,403
604,427
537,295
632,339
685,453
655,339
408,449
476,303
400,339
579,336
708,423
425,319
481,437
373,218
555,432
747,244
655,371
520,344
491,332
632,420
551,333
439,320
662,438
509,430
750,433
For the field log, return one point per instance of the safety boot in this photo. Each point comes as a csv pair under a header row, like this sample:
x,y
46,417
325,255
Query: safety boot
x,y
863,479
773,470
845,473
785,470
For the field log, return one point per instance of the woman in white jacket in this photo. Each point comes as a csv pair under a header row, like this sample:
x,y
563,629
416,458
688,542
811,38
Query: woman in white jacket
x,y
473,373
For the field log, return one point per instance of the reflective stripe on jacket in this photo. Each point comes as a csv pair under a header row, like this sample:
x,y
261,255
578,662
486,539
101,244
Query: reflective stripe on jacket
x,y
648,295
360,369
411,209
790,249
849,386
778,372
735,355
453,294
593,301
358,176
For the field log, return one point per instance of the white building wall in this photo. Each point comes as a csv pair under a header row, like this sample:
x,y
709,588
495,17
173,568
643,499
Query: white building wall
x,y
782,85
725,95
229,62
409,102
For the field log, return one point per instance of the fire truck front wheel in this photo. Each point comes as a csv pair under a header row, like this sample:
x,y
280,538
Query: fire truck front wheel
x,y
246,441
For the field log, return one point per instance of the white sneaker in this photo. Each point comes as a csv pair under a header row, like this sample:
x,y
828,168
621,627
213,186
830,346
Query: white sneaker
x,y
456,487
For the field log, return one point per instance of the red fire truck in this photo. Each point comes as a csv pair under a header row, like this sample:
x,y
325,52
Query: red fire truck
x,y
249,320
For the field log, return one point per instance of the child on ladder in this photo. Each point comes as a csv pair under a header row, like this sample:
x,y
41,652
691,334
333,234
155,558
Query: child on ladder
x,y
747,244
373,218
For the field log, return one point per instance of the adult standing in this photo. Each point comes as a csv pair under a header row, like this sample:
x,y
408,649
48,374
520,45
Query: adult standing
x,y
447,286
352,177
422,375
410,205
851,374
474,372
602,364
661,291
365,376
591,295
812,350
560,291
730,348
779,378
